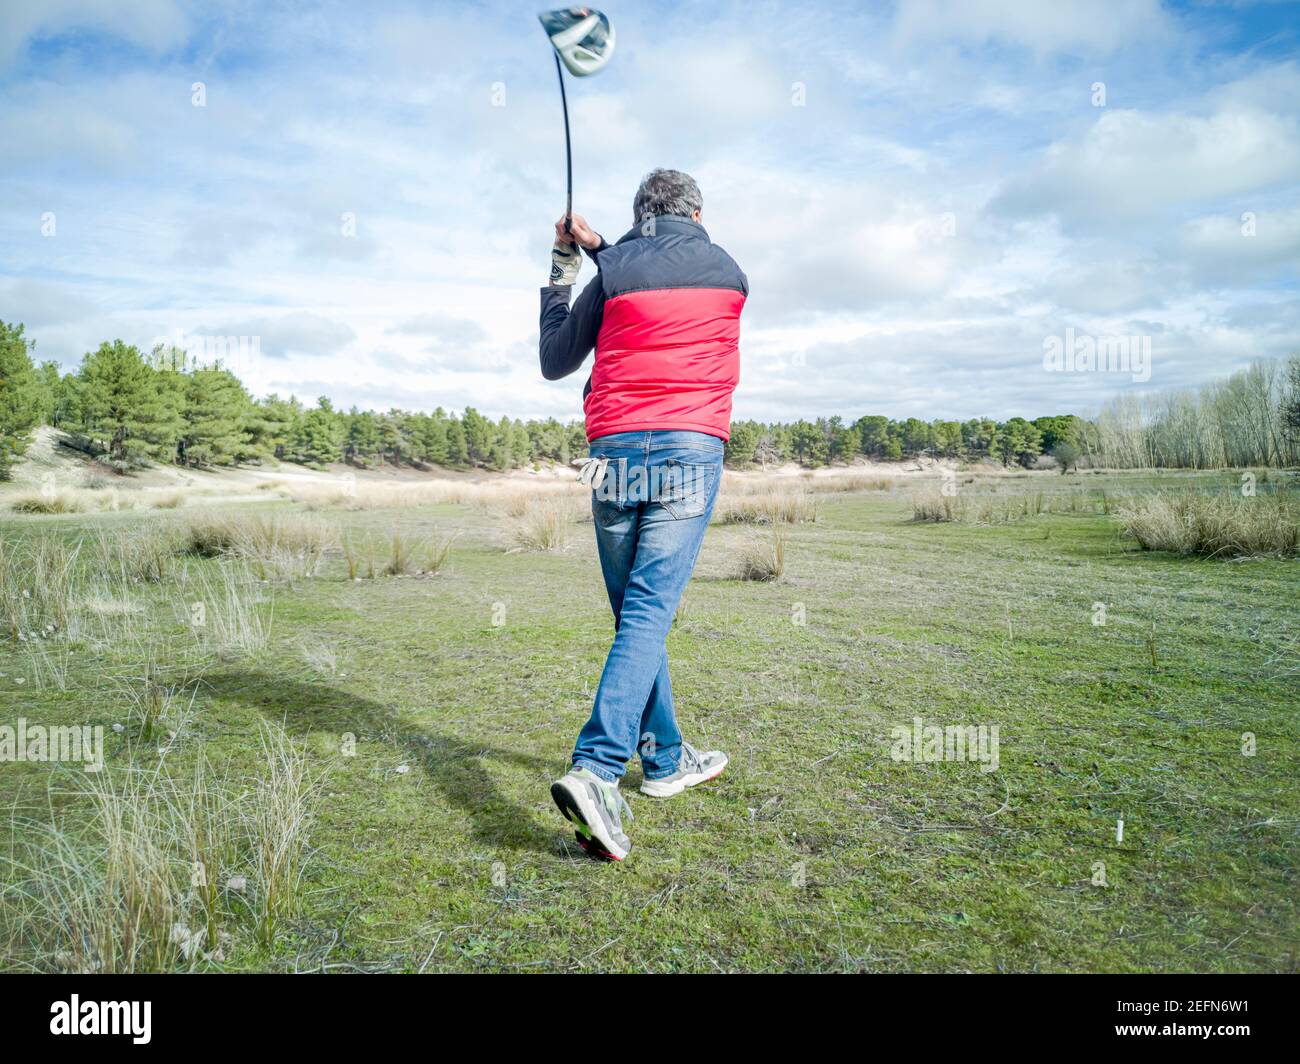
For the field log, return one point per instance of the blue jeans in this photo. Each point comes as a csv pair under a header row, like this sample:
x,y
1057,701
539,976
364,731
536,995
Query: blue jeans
x,y
651,507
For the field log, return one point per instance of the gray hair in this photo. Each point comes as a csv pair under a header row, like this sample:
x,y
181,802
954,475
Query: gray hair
x,y
667,192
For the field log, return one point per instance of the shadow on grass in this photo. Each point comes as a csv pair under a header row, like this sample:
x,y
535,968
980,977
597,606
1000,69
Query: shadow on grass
x,y
454,765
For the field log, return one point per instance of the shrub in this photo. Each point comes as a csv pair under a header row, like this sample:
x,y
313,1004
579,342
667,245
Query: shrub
x,y
1067,455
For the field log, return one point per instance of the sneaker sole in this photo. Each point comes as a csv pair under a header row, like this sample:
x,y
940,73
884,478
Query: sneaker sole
x,y
572,806
667,790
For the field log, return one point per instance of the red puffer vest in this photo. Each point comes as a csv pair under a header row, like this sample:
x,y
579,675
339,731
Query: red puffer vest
x,y
668,350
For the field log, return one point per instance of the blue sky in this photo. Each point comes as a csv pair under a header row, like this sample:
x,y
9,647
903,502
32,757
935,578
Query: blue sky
x,y
921,193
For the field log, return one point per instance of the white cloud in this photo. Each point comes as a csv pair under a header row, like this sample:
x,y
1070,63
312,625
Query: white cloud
x,y
1100,26
299,332
41,303
1130,166
153,24
1254,245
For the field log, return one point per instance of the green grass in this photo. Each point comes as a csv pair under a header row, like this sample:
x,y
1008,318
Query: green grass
x,y
435,845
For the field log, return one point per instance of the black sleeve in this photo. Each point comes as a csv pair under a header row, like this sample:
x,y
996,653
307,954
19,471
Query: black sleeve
x,y
568,336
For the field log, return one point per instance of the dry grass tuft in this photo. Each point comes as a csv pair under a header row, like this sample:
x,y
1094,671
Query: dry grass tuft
x,y
38,585
278,820
543,526
931,504
786,506
275,546
762,558
42,502
1215,526
163,869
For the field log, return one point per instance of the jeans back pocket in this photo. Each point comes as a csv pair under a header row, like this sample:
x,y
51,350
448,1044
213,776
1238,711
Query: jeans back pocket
x,y
685,488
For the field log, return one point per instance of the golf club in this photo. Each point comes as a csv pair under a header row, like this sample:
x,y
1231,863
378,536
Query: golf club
x,y
583,41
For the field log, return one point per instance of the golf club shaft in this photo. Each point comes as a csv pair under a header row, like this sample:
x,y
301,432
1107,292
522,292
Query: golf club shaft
x,y
568,149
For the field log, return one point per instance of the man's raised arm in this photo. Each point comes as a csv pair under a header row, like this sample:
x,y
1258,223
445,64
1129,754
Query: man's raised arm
x,y
568,335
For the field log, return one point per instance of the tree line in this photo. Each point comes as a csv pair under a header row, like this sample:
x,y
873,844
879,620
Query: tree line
x,y
1017,441
128,409
1250,418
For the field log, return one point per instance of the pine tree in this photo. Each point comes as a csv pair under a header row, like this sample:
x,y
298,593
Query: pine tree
x,y
319,438
167,431
361,436
393,437
272,424
53,393
457,447
745,436
22,396
122,408
479,436
434,443
215,414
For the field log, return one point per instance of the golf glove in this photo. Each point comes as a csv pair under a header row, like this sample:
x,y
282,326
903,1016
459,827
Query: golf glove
x,y
592,474
566,261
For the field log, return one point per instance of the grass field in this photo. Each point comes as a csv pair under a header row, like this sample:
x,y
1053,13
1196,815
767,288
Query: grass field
x,y
433,844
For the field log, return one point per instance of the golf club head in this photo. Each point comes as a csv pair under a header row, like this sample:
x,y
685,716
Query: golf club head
x,y
581,36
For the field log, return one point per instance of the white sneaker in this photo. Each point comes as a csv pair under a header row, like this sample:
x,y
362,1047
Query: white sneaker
x,y
693,768
595,809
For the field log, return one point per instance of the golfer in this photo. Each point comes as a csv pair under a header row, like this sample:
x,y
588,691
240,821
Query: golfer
x,y
663,315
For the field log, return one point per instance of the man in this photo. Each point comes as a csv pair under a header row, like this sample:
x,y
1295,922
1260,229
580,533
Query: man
x,y
663,314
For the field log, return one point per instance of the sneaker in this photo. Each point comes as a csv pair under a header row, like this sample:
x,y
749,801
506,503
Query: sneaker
x,y
694,767
595,809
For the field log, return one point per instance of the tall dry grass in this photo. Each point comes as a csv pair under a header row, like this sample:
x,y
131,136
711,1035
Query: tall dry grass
x,y
105,896
511,497
42,502
141,554
403,554
931,503
1215,526
762,558
278,819
277,547
39,578
847,480
157,685
788,506
226,611
97,494
140,870
49,662
544,525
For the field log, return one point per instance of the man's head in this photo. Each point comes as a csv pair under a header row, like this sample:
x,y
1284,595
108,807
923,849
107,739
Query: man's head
x,y
667,192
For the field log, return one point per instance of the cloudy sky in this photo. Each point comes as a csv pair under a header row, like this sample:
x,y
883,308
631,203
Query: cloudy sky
x,y
922,193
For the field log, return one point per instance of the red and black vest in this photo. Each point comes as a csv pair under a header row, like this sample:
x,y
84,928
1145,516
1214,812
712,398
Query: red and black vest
x,y
668,348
